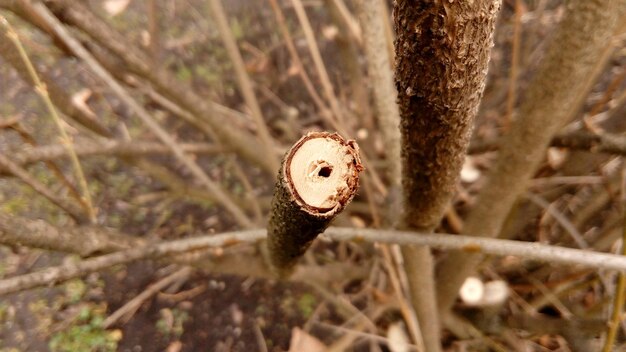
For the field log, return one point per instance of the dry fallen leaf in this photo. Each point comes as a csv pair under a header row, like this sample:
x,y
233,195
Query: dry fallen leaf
x,y
115,7
330,32
472,291
556,157
398,339
175,346
79,101
470,173
301,341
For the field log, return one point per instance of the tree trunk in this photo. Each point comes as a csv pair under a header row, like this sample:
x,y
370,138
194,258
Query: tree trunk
x,y
580,37
442,55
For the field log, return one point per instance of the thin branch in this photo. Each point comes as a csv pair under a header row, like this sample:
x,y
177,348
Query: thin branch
x,y
245,84
178,111
620,291
56,170
597,143
350,22
527,250
220,195
82,240
152,11
318,61
381,75
59,96
406,308
27,156
77,14
131,306
42,90
293,53
250,194
561,219
22,174
512,89
68,271
350,65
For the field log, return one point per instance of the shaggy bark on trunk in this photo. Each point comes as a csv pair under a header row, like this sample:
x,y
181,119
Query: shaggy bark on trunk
x,y
442,54
580,37
319,176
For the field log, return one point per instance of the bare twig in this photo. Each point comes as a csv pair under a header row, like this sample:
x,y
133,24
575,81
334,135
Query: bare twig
x,y
598,143
245,84
59,96
68,271
406,308
319,62
41,89
77,14
293,53
350,22
250,194
17,171
150,122
83,240
350,66
180,112
369,336
56,170
131,306
512,91
381,74
561,219
152,11
528,250
27,156
259,337
379,71
620,291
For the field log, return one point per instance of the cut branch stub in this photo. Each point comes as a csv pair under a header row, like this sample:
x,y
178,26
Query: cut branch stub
x,y
319,175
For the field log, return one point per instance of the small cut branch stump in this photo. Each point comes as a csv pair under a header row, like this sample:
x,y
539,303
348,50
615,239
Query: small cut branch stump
x,y
318,177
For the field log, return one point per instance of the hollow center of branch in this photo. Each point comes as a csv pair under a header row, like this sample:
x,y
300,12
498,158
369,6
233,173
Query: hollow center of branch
x,y
323,172
319,168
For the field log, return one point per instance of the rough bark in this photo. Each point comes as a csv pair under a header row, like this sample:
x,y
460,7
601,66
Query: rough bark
x,y
442,53
442,56
580,37
312,188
